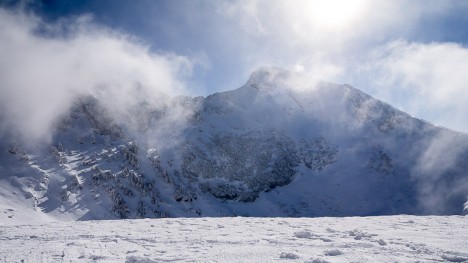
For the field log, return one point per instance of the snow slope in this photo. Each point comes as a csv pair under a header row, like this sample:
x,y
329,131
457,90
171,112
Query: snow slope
x,y
281,145
352,239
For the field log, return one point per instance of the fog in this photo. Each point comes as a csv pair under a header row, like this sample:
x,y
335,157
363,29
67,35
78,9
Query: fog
x,y
44,67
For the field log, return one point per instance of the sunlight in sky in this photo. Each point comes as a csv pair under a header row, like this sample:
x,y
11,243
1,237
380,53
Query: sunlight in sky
x,y
335,14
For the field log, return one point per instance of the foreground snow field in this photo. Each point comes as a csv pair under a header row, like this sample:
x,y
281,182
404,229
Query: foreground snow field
x,y
350,239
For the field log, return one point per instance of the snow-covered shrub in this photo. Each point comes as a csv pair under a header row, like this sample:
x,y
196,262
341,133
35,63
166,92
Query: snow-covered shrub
x,y
89,160
221,189
56,155
380,162
60,147
227,191
99,118
127,191
154,197
147,188
76,182
184,195
166,177
316,154
94,192
141,210
153,156
64,194
136,180
101,176
130,153
119,205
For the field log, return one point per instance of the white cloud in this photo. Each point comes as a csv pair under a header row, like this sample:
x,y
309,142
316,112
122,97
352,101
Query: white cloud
x,y
315,34
427,80
304,26
43,67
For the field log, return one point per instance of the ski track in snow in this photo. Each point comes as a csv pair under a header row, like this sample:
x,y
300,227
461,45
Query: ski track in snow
x,y
240,239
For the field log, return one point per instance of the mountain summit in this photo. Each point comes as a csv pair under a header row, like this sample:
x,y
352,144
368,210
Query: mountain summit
x,y
281,145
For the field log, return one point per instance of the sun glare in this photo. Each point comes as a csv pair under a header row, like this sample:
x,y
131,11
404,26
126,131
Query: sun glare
x,y
336,13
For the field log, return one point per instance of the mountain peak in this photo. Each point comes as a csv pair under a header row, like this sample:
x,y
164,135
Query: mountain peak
x,y
269,75
274,78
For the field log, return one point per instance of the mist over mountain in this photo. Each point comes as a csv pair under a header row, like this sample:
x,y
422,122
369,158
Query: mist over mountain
x,y
281,145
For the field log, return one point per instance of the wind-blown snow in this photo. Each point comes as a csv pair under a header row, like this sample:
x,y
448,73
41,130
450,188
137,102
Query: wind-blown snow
x,y
352,239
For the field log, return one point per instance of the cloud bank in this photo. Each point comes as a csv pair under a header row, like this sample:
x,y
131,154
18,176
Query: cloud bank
x,y
44,67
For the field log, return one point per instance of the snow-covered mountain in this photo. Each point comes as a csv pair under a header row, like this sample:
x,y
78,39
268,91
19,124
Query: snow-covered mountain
x,y
281,145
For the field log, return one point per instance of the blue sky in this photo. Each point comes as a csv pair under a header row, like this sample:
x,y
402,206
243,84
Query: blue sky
x,y
412,54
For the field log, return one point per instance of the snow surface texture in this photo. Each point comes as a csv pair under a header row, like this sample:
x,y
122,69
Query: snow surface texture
x,y
281,145
354,239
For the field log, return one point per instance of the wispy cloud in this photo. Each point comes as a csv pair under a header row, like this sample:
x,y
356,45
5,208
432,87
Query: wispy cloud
x,y
424,79
301,31
43,67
